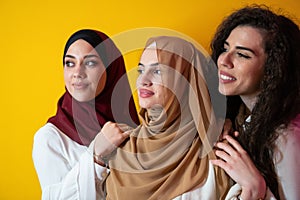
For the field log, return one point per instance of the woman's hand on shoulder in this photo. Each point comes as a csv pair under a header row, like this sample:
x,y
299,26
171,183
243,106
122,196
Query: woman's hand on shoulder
x,y
115,133
109,138
239,166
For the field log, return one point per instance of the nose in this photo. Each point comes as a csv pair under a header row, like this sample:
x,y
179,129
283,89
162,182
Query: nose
x,y
79,71
144,80
224,60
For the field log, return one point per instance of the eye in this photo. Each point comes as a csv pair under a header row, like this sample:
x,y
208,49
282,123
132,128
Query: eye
x,y
243,55
91,63
140,71
69,64
157,71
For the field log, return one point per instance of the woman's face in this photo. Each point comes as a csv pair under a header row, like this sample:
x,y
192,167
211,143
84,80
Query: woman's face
x,y
241,65
151,91
84,72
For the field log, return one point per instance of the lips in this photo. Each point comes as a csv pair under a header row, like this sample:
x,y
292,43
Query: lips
x,y
79,85
144,93
226,78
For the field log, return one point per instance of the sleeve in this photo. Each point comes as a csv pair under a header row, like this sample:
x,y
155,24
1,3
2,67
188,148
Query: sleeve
x,y
65,169
236,189
288,163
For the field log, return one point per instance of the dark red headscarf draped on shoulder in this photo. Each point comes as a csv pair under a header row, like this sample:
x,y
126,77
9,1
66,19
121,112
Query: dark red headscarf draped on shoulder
x,y
81,121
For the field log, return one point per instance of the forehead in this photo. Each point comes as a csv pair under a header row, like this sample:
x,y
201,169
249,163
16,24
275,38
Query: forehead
x,y
149,56
246,36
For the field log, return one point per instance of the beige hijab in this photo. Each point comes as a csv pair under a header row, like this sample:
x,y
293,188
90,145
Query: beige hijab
x,y
168,154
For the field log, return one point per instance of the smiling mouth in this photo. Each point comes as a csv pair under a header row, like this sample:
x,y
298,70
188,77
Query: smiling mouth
x,y
227,78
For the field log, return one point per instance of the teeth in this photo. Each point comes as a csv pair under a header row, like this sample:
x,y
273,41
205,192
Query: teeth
x,y
224,77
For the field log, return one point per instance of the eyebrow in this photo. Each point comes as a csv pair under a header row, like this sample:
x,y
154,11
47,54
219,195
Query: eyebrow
x,y
91,56
69,56
87,56
241,48
151,65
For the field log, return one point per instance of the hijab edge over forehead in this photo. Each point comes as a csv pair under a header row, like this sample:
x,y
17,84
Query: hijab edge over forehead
x,y
93,37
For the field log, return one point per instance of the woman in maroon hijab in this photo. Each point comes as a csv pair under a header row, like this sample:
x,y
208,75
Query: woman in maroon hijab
x,y
63,148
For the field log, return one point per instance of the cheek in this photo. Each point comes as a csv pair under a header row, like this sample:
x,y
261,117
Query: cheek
x,y
256,81
67,78
163,95
256,75
219,60
253,80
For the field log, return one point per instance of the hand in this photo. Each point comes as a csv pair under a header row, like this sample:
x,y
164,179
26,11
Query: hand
x,y
110,137
239,166
115,133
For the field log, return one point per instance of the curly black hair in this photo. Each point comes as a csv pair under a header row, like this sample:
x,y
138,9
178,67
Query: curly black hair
x,y
278,102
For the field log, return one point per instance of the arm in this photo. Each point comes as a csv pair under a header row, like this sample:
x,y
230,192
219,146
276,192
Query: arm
x,y
65,169
239,166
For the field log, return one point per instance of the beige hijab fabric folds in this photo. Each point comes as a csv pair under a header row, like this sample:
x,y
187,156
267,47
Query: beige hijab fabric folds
x,y
168,154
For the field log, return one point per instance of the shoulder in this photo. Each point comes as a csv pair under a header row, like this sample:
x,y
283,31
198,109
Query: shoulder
x,y
291,134
52,138
288,142
47,131
47,135
295,123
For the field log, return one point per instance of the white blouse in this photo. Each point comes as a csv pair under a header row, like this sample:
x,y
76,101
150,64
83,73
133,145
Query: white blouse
x,y
66,170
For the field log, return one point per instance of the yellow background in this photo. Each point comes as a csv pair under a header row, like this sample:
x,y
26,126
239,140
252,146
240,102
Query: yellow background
x,y
33,34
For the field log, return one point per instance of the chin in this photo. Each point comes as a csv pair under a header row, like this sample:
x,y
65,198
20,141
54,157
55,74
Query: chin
x,y
144,106
225,92
81,98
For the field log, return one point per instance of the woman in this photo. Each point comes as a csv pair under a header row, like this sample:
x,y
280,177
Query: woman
x,y
167,156
61,153
258,58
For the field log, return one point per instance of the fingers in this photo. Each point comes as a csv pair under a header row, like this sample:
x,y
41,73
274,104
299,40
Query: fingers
x,y
124,127
234,143
120,128
221,163
218,162
236,133
228,149
116,133
223,155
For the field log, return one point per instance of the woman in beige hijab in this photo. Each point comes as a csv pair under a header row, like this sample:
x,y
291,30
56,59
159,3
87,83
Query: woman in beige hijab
x,y
167,156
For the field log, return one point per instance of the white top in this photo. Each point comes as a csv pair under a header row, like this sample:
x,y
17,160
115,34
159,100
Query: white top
x,y
287,164
66,170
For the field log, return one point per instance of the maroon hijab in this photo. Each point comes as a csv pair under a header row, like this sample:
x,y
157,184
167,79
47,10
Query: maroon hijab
x,y
82,121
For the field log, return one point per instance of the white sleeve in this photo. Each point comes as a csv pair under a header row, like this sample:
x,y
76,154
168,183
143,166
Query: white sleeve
x,y
236,189
66,170
288,163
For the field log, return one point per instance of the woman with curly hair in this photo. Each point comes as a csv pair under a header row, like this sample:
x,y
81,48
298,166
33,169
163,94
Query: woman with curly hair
x,y
258,58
